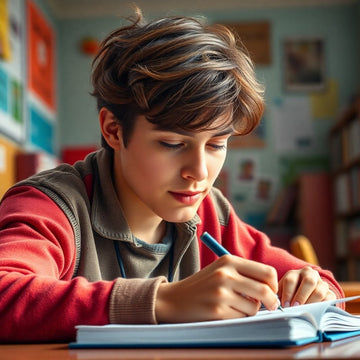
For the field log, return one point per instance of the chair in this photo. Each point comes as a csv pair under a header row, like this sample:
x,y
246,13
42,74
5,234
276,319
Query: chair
x,y
302,248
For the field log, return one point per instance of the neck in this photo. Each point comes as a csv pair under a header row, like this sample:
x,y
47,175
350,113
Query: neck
x,y
144,224
151,235
146,227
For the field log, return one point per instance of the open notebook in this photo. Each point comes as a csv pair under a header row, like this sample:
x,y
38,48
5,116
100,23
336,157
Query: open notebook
x,y
294,326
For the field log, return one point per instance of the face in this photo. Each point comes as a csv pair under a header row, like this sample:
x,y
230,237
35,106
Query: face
x,y
167,174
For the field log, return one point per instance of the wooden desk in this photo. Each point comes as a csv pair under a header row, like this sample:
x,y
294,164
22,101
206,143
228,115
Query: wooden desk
x,y
352,288
349,348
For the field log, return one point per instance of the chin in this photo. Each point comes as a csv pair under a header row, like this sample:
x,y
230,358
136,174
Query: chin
x,y
180,217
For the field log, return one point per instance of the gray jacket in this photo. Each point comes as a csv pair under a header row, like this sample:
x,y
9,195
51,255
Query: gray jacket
x,y
86,194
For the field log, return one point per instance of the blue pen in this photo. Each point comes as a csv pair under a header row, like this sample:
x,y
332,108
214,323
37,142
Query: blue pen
x,y
217,248
213,245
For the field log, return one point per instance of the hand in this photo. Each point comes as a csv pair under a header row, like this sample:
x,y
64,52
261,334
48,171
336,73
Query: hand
x,y
303,286
230,287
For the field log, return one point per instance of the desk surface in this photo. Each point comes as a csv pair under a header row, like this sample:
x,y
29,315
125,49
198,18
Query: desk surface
x,y
349,348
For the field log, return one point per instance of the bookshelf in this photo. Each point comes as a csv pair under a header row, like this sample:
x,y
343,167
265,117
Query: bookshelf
x,y
345,165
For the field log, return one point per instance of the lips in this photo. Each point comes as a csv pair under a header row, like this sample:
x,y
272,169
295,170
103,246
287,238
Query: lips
x,y
187,197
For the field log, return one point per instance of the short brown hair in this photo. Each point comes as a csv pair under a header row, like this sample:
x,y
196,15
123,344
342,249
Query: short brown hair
x,y
179,72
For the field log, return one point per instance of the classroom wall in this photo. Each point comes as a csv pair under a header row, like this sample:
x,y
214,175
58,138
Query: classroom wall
x,y
337,25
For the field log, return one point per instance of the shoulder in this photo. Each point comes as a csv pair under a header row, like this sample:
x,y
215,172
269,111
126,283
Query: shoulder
x,y
68,182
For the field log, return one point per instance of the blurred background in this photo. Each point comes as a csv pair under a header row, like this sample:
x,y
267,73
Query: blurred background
x,y
298,173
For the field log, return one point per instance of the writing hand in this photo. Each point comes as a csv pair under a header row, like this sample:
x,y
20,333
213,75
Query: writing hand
x,y
303,286
230,287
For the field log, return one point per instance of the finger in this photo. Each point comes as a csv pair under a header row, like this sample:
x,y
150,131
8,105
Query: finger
x,y
321,293
310,279
232,313
254,270
230,304
242,276
257,292
288,286
246,305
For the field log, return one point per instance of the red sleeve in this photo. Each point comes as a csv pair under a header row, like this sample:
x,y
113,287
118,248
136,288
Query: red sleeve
x,y
39,299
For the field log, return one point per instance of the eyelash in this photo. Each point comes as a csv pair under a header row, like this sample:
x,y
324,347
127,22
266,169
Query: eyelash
x,y
219,147
177,146
170,146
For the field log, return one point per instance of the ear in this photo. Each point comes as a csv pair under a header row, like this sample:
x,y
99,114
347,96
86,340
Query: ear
x,y
110,128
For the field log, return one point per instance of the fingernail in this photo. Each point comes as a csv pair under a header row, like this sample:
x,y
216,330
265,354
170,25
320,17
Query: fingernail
x,y
296,303
276,306
287,304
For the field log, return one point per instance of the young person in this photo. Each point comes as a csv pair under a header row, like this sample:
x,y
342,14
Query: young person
x,y
114,238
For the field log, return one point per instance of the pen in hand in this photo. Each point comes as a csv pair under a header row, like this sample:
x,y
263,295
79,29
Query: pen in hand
x,y
219,250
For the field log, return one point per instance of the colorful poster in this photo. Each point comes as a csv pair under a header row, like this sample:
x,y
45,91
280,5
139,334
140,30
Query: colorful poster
x,y
42,131
4,91
5,49
12,75
41,59
8,152
304,64
16,103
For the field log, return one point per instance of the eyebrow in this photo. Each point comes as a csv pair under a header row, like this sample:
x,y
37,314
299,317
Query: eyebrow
x,y
227,131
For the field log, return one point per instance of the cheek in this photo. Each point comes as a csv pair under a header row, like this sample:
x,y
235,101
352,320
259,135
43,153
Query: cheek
x,y
149,170
215,166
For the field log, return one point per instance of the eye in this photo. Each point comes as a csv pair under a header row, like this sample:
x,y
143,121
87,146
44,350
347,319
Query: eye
x,y
218,147
170,145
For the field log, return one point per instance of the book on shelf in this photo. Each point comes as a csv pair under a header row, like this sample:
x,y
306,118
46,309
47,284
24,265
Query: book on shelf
x,y
353,139
347,193
345,145
354,236
294,326
355,186
336,151
348,237
341,239
284,206
342,193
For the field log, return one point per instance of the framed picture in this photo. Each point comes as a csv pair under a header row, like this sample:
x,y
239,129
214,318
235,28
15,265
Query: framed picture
x,y
41,56
304,64
256,37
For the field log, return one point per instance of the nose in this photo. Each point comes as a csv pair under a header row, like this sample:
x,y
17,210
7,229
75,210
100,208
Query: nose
x,y
195,166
